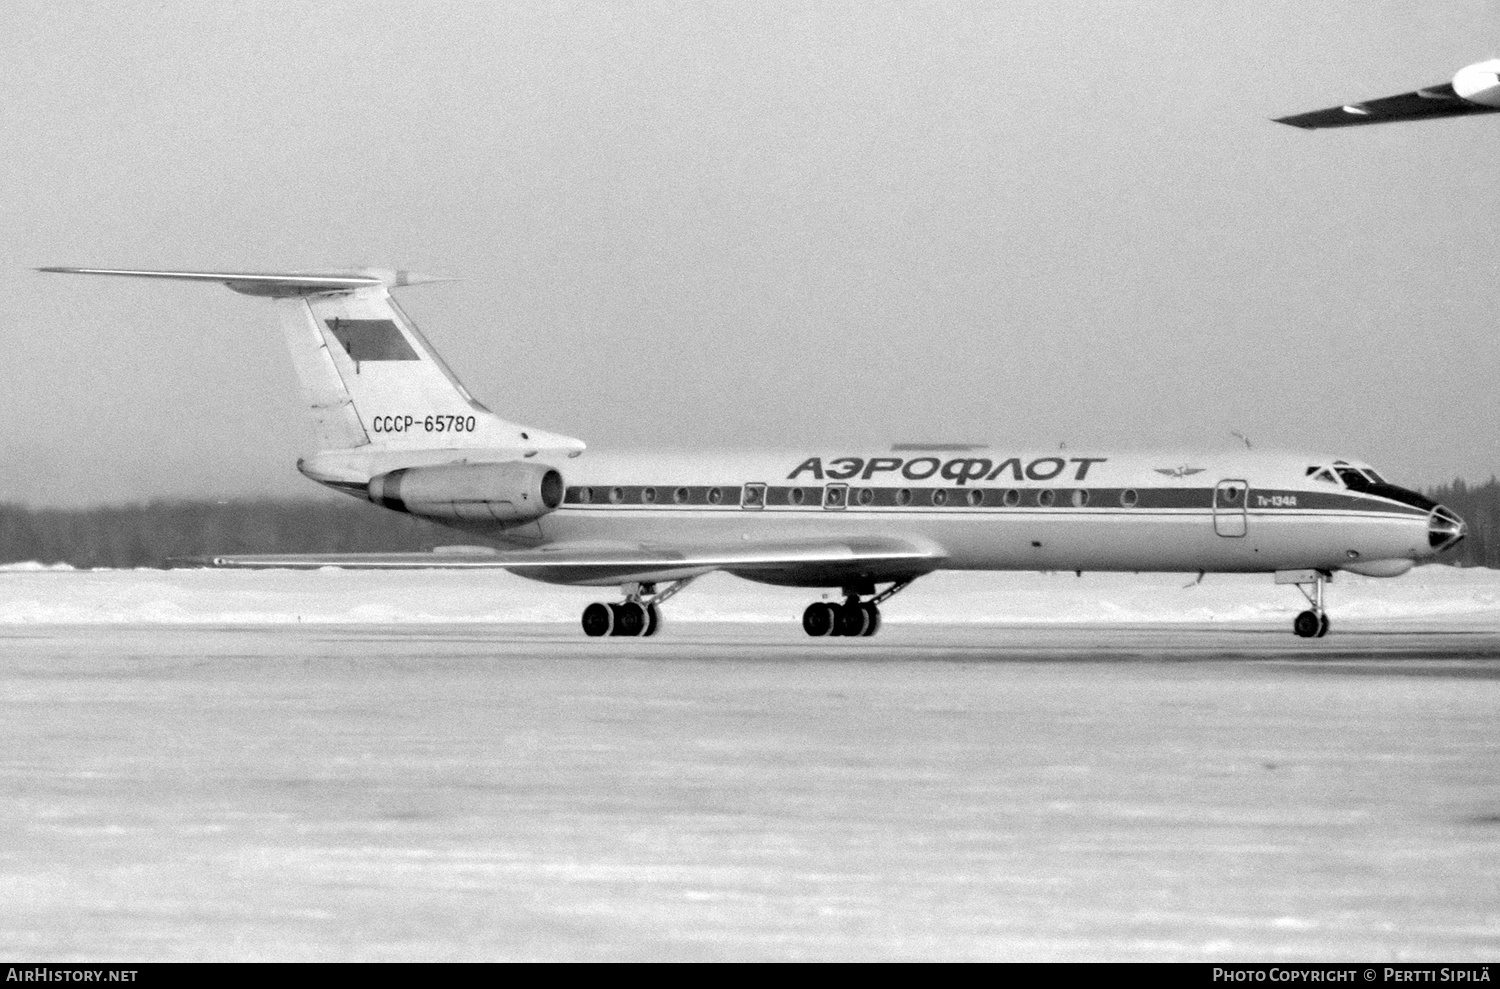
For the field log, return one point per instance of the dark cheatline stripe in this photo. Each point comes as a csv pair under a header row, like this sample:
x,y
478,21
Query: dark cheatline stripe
x,y
666,495
840,496
1266,498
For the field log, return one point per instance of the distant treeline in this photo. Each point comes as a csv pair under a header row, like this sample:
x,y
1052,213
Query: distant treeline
x,y
152,534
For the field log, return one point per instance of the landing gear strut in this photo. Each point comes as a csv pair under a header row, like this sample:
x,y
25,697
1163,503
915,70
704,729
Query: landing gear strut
x,y
637,615
1312,623
852,618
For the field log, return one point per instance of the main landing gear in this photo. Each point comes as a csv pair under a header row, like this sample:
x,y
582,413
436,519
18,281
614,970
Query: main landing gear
x,y
637,615
1312,623
853,618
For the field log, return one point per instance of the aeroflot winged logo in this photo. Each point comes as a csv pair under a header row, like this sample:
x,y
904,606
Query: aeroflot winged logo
x,y
1183,471
959,470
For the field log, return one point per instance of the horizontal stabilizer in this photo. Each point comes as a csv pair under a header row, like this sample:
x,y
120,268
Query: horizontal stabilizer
x,y
272,285
369,376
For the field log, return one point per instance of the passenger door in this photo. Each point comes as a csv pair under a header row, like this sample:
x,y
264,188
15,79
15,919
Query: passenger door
x,y
1229,508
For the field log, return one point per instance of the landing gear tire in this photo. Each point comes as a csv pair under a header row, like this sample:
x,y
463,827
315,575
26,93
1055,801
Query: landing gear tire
x,y
1309,624
853,620
638,615
1312,623
854,617
819,619
630,618
598,619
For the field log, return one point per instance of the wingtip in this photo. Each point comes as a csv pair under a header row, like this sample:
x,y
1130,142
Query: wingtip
x,y
400,277
415,278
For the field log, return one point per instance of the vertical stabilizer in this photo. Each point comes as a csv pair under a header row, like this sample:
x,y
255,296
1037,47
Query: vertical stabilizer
x,y
336,424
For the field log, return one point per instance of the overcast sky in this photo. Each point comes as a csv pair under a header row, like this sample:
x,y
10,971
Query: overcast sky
x,y
804,224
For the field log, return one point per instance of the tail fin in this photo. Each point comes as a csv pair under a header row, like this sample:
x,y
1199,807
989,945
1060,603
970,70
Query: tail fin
x,y
369,376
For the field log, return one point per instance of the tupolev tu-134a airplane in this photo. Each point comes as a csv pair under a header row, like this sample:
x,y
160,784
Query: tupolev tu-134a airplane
x,y
394,426
1474,89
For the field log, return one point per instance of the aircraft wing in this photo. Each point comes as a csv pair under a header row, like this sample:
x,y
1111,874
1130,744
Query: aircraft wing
x,y
1421,104
789,561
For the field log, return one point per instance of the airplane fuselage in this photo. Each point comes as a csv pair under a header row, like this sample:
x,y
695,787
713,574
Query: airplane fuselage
x,y
985,509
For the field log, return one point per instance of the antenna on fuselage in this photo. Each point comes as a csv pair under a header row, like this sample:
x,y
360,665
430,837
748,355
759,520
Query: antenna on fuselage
x,y
1243,438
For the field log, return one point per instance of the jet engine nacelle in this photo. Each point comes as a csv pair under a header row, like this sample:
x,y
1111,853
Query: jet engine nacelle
x,y
1479,83
510,494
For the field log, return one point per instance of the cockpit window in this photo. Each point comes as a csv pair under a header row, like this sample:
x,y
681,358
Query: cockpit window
x,y
1352,478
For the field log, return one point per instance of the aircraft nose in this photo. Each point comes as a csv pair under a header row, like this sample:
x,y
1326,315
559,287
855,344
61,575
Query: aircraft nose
x,y
1445,530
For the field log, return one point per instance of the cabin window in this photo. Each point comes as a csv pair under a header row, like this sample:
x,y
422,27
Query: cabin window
x,y
940,497
795,496
715,495
976,498
648,495
866,496
680,496
1129,498
1012,498
1080,498
616,495
1045,497
903,497
585,495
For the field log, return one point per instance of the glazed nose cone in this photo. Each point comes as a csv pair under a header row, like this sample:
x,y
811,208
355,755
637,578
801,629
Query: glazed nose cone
x,y
1445,529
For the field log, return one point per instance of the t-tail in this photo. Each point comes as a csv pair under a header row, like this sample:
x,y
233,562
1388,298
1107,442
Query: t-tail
x,y
380,396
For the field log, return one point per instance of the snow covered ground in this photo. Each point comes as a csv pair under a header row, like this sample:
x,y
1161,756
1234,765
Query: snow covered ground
x,y
34,594
424,793
1135,768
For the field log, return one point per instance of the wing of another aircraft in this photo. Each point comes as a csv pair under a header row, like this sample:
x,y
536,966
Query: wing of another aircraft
x,y
791,561
1421,104
1474,89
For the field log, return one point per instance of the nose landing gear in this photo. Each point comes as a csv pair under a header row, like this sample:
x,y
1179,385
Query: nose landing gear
x,y
852,618
1312,623
637,615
